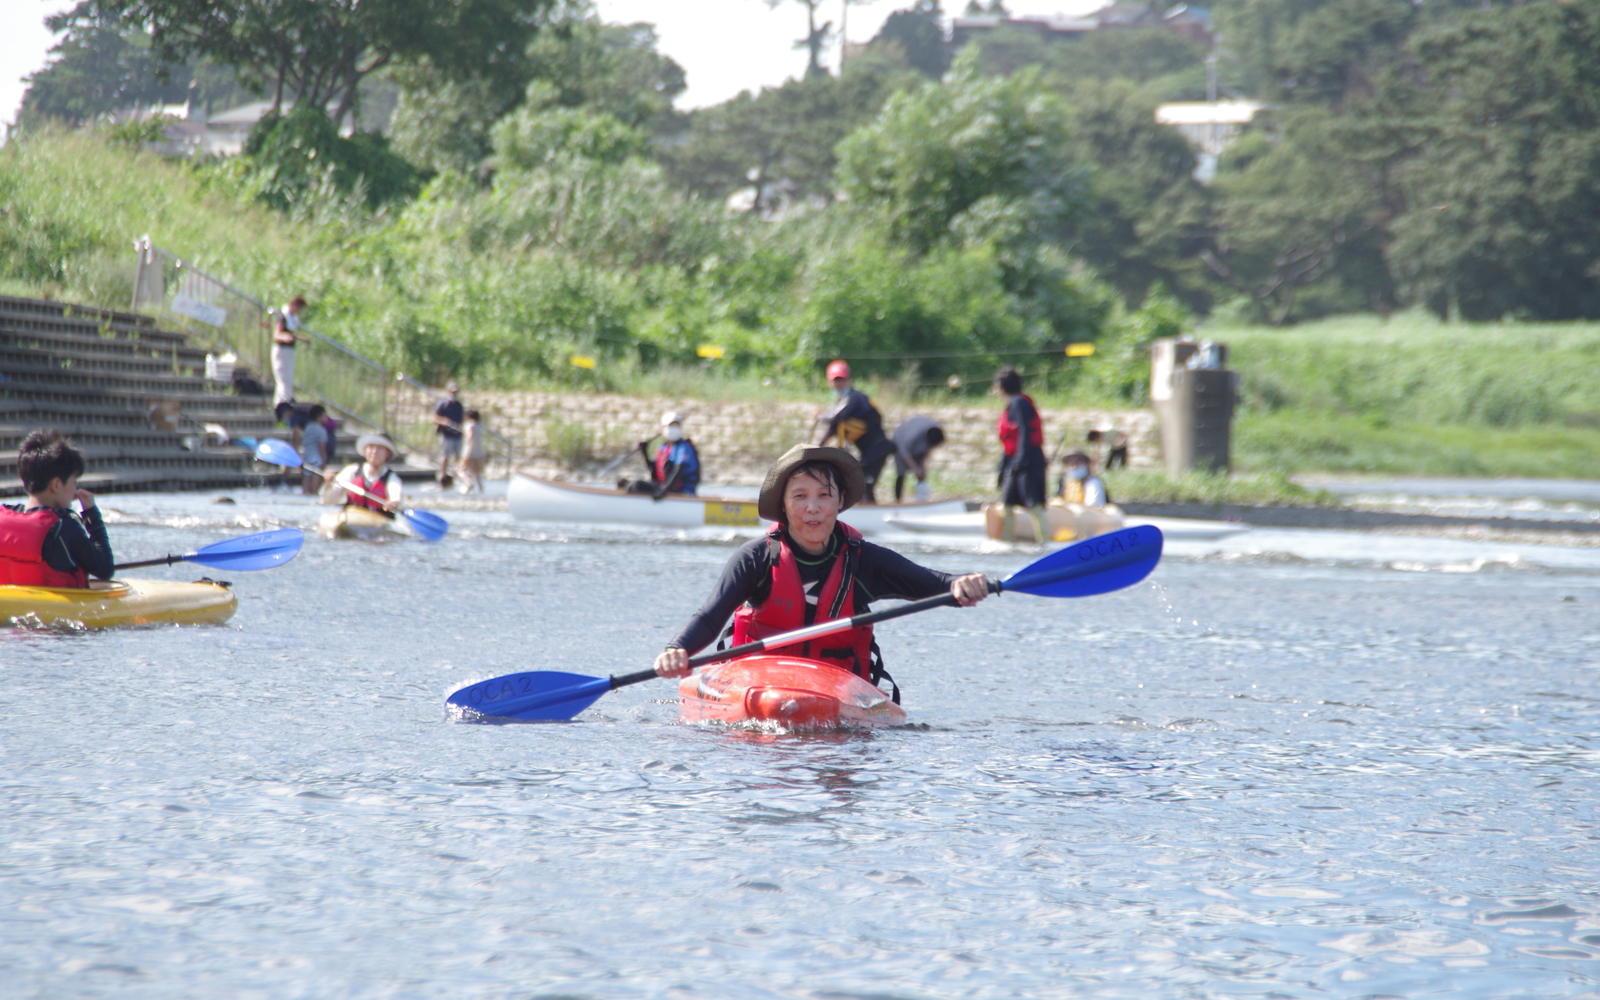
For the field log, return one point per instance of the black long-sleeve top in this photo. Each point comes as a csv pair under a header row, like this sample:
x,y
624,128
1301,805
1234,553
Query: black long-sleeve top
x,y
856,406
77,541
880,574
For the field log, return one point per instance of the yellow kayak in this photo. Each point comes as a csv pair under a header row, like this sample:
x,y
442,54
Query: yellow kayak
x,y
1064,521
119,602
359,522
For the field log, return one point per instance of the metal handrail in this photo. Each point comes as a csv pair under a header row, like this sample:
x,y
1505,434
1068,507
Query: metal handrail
x,y
150,290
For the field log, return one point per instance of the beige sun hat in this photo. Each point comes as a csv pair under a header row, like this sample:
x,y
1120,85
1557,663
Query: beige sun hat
x,y
851,479
378,439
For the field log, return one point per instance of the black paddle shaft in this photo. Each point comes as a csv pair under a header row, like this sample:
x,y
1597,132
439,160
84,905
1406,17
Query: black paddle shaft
x,y
163,561
996,586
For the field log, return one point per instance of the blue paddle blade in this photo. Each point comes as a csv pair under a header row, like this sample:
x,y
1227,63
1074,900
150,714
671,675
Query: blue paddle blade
x,y
1095,565
278,452
430,527
259,551
534,696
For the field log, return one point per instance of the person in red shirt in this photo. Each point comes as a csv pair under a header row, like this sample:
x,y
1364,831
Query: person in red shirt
x,y
1022,464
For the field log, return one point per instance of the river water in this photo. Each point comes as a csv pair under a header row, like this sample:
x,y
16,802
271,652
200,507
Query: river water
x,y
1294,764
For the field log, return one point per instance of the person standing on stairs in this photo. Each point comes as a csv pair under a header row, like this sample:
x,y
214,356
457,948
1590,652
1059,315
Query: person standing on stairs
x,y
285,334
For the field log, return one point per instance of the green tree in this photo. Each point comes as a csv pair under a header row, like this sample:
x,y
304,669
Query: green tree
x,y
303,151
444,123
319,51
100,66
1504,190
918,32
1148,219
816,36
783,135
978,162
1300,225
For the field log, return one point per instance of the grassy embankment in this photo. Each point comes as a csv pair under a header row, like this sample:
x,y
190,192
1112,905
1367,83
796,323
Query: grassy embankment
x,y
1354,394
1416,396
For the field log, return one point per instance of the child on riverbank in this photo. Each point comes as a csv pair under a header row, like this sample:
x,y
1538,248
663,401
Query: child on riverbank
x,y
473,453
44,543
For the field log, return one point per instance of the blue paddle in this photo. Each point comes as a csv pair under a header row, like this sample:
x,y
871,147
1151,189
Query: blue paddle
x,y
277,451
429,527
1096,565
260,551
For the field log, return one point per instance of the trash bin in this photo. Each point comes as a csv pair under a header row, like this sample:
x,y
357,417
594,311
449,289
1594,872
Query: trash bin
x,y
1193,396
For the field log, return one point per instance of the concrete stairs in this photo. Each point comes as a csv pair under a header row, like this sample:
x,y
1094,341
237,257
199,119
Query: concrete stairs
x,y
133,398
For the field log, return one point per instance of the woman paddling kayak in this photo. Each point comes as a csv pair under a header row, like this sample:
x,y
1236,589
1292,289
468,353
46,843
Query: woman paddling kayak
x,y
811,569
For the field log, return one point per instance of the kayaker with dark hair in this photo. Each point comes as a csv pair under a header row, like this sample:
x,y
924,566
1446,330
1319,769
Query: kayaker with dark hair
x,y
810,569
44,543
854,420
1022,466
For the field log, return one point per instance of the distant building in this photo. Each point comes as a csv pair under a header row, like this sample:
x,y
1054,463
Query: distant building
x,y
1050,29
190,133
1193,23
1210,127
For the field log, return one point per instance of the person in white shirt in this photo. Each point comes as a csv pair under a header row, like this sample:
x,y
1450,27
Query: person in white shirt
x,y
285,334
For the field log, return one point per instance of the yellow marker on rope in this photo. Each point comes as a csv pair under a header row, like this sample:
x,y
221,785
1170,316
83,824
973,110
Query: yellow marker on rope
x,y
1079,350
709,351
583,361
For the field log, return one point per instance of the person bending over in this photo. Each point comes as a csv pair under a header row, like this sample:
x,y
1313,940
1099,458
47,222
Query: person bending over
x,y
913,441
44,543
811,569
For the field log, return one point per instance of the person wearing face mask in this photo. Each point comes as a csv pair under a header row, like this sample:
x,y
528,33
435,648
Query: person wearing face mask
x,y
854,420
812,568
1080,484
676,465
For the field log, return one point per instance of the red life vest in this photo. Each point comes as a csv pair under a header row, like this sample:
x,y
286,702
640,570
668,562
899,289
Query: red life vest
x,y
1009,432
22,551
785,609
662,454
378,487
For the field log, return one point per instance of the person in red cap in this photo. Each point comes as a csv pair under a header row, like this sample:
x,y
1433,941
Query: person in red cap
x,y
854,420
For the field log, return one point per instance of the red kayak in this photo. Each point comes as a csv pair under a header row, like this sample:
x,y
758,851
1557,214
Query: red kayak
x,y
786,690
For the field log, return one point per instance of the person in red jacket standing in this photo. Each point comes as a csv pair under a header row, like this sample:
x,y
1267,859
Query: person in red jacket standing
x,y
1022,466
44,543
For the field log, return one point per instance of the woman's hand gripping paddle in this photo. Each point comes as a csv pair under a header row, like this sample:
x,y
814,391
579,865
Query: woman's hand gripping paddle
x,y
1096,565
260,551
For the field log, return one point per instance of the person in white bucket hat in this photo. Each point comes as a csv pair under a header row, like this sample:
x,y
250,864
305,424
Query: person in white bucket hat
x,y
376,486
675,467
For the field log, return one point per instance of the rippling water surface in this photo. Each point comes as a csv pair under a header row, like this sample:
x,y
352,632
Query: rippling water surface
x,y
1326,765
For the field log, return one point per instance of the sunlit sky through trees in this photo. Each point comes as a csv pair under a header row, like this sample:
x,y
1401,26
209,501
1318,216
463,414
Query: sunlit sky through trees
x,y
725,45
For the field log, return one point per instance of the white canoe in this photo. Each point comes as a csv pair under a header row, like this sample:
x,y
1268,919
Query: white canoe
x,y
534,499
976,523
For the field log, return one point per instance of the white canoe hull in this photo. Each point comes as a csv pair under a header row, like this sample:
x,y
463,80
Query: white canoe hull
x,y
533,499
974,523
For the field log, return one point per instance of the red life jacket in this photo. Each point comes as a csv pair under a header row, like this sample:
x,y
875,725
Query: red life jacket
x,y
22,551
784,608
662,454
378,488
1009,432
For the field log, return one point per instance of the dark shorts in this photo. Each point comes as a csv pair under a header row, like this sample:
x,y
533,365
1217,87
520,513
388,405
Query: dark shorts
x,y
873,459
1024,486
